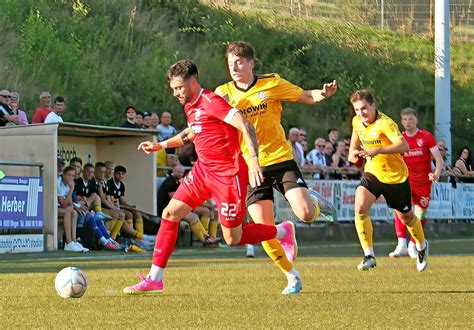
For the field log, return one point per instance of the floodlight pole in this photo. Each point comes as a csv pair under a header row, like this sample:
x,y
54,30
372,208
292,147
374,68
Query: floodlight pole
x,y
442,74
381,14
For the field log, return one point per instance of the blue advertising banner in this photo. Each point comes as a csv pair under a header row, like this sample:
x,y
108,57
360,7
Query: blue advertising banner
x,y
21,202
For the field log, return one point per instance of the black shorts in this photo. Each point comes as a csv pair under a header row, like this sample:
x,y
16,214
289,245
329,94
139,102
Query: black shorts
x,y
282,176
397,195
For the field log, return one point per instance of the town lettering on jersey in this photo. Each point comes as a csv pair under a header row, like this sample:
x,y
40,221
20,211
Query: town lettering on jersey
x,y
250,110
371,142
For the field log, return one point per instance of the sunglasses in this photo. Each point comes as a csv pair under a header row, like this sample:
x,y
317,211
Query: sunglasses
x,y
320,145
6,96
303,135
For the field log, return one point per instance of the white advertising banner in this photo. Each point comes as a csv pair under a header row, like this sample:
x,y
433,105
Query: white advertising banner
x,y
464,201
21,243
441,202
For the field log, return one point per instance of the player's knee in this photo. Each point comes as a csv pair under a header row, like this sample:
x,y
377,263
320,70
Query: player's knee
x,y
307,214
169,214
406,218
360,208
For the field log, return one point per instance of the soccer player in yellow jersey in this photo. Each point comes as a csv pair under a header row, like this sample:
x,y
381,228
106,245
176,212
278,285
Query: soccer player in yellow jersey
x,y
385,173
260,99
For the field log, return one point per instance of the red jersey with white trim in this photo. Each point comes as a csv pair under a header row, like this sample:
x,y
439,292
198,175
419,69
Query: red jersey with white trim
x,y
418,158
217,142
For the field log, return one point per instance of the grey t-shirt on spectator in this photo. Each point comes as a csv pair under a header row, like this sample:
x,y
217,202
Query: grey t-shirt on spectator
x,y
165,132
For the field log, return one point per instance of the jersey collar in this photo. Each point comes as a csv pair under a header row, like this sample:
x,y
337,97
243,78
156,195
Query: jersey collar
x,y
248,88
376,117
197,98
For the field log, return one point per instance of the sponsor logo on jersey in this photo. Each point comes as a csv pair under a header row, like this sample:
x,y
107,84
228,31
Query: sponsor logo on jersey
x,y
255,110
419,142
371,142
262,95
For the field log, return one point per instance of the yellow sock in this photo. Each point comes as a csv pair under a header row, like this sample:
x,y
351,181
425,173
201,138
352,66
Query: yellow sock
x,y
277,254
198,230
130,222
97,208
205,222
110,225
364,229
416,231
213,225
116,228
139,226
137,236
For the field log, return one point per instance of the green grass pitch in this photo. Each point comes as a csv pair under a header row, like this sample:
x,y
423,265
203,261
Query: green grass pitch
x,y
220,288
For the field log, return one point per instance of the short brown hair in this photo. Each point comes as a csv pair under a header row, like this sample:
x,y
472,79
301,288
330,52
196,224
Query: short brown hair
x,y
409,111
240,48
362,94
183,69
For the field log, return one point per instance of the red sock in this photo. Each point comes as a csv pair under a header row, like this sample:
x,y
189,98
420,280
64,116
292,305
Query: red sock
x,y
254,233
423,221
400,227
165,242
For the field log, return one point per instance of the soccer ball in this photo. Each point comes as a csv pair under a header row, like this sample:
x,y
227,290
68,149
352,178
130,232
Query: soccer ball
x,y
70,282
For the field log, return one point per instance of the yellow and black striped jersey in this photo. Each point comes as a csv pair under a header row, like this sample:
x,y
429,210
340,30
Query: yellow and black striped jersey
x,y
261,104
388,168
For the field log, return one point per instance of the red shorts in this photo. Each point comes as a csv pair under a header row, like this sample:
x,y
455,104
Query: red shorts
x,y
420,194
229,193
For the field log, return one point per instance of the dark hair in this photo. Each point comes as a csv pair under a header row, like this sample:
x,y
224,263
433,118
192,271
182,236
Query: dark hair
x,y
140,113
88,165
120,168
75,159
146,114
59,99
332,129
68,169
468,151
184,69
240,48
362,94
99,164
130,107
409,111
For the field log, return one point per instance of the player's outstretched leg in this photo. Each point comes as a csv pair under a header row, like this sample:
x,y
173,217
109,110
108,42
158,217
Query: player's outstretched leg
x,y
416,231
401,231
164,246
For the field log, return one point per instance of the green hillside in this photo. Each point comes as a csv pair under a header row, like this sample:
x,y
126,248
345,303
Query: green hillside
x,y
105,55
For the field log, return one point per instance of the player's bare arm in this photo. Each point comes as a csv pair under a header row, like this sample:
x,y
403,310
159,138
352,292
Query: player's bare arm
x,y
250,137
439,164
318,95
396,147
354,147
179,140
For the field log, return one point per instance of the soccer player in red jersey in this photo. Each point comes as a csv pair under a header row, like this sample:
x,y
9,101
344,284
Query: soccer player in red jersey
x,y
418,159
220,173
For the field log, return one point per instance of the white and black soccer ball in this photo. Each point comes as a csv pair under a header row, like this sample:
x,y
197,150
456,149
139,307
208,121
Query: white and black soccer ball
x,y
70,282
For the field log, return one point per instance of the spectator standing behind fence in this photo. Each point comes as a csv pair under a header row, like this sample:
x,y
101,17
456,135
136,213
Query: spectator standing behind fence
x,y
15,102
155,120
58,108
317,159
7,117
328,151
463,163
333,135
147,121
139,119
293,139
165,128
43,110
130,113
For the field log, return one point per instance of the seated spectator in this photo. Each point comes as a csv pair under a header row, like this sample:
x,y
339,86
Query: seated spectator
x,y
147,121
304,145
463,163
166,192
155,120
303,135
7,117
66,211
139,119
76,163
131,113
15,102
134,219
43,110
101,187
328,151
61,164
293,139
447,170
317,159
58,108
333,135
